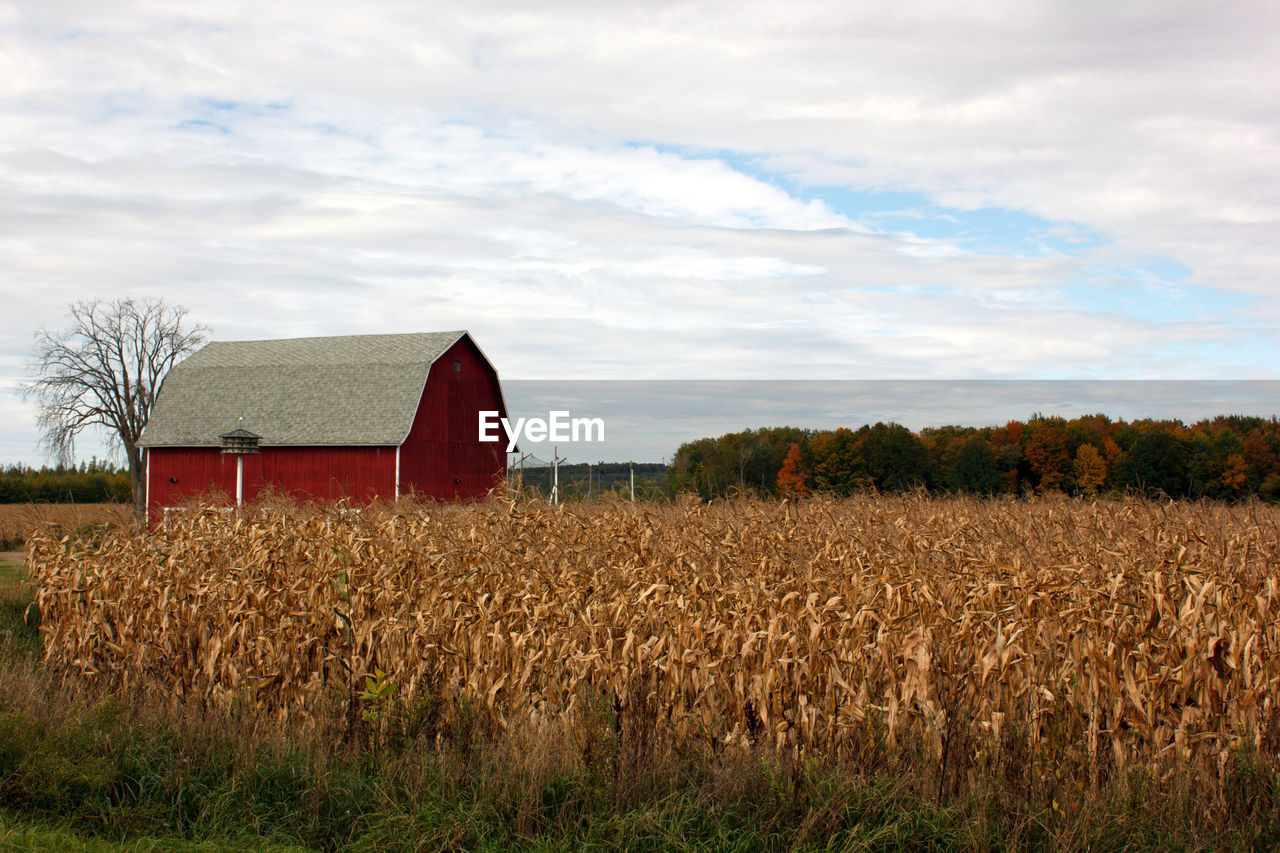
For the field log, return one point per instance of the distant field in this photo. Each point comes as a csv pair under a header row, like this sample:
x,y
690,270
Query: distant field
x,y
17,521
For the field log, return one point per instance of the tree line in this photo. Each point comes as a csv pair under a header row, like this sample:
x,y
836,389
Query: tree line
x,y
1227,457
91,482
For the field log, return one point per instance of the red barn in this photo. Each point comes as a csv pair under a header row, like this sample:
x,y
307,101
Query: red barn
x,y
358,417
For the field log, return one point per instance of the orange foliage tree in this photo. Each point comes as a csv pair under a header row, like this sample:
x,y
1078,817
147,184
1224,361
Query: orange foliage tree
x,y
1091,470
791,477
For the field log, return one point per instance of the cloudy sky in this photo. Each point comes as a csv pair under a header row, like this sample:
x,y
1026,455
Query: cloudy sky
x,y
984,190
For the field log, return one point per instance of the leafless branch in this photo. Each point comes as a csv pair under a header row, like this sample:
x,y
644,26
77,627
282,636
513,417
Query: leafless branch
x,y
105,370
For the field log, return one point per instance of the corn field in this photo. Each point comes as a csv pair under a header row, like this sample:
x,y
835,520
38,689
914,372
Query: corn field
x,y
1111,634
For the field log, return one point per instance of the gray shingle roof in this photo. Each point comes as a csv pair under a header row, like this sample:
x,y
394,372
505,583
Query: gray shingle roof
x,y
351,390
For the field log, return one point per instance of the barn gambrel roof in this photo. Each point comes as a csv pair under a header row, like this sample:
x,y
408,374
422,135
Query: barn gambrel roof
x,y
340,391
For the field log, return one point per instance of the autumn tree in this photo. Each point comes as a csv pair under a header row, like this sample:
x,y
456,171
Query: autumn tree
x,y
1047,454
737,461
105,371
696,466
1260,456
838,465
792,475
1090,469
944,445
1235,473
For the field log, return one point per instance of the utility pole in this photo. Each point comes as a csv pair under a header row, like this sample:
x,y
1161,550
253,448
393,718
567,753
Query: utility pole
x,y
632,465
555,475
517,477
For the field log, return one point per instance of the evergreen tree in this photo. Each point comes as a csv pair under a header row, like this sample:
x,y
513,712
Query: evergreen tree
x,y
975,470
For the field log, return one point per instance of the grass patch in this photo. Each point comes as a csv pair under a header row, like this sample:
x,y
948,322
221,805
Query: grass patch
x,y
19,617
18,834
13,568
107,777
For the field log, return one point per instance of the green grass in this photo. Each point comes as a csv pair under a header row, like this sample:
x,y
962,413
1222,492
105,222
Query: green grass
x,y
17,834
12,568
84,773
19,619
97,779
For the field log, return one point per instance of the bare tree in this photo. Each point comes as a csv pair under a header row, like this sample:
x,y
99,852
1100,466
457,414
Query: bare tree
x,y
105,371
744,452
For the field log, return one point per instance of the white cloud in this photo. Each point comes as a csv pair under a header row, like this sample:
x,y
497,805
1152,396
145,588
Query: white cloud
x,y
567,179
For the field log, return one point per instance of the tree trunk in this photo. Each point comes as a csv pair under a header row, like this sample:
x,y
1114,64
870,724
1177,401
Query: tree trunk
x,y
137,475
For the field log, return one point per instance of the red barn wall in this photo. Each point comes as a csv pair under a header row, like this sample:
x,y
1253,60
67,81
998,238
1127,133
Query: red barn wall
x,y
443,456
177,474
323,473
304,473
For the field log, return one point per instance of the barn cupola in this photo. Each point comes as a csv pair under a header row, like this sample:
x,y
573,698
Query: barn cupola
x,y
239,441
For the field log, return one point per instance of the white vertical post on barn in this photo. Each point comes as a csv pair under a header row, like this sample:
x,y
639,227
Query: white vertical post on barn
x,y
240,442
397,473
